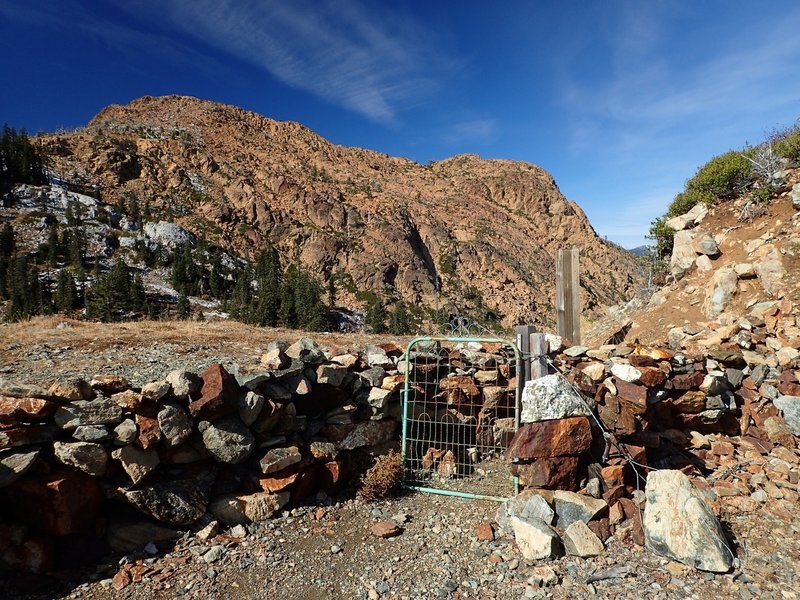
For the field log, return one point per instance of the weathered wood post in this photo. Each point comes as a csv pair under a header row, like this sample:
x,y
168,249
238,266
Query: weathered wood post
x,y
568,305
524,333
538,359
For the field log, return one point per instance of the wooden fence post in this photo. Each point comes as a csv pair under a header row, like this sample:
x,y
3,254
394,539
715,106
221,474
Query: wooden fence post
x,y
538,360
568,305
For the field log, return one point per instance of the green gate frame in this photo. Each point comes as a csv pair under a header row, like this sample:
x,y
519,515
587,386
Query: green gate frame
x,y
405,402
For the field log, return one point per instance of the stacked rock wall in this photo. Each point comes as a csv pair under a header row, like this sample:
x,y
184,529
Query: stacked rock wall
x,y
80,461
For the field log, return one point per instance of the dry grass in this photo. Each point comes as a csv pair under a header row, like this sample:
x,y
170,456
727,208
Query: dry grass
x,y
43,330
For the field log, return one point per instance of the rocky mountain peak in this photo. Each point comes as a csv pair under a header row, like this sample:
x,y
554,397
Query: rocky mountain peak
x,y
464,234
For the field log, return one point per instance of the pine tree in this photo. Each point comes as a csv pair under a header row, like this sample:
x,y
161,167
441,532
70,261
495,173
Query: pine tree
x,y
268,283
77,248
242,296
138,295
7,247
286,313
308,306
331,291
66,297
400,319
19,290
53,246
376,316
216,279
182,307
20,160
111,294
7,242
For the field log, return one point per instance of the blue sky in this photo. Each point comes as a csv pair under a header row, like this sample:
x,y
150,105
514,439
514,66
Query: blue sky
x,y
620,101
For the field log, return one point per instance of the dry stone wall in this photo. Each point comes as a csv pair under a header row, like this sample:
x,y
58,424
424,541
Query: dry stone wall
x,y
98,466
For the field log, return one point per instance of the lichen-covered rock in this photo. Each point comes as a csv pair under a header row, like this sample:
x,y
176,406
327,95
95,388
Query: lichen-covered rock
x,y
183,383
228,440
175,498
678,524
551,397
239,509
89,458
720,291
175,424
88,412
581,541
790,407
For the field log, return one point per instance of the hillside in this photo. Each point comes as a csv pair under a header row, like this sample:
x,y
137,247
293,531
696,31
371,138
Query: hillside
x,y
730,261
463,234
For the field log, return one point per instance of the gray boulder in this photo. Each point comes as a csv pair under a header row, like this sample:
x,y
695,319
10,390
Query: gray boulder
x,y
88,412
719,292
175,498
228,440
678,524
790,407
169,234
175,424
89,458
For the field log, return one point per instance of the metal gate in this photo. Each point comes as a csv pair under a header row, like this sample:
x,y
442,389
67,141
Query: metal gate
x,y
460,410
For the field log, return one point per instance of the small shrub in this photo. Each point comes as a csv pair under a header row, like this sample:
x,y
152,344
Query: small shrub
x,y
382,479
786,142
725,176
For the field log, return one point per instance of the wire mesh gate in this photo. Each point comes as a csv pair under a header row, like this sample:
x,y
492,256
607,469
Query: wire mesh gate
x,y
460,410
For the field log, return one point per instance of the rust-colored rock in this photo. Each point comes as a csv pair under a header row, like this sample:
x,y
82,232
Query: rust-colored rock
x,y
652,376
601,528
386,529
279,481
60,503
485,532
219,395
560,437
688,381
128,399
613,475
149,431
25,435
25,409
617,416
550,473
632,395
71,390
109,383
789,388
693,401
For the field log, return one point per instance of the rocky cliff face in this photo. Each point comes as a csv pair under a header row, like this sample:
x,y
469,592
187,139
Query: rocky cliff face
x,y
460,234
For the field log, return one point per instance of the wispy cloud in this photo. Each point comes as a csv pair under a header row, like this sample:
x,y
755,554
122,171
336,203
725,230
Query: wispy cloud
x,y
374,61
471,130
668,97
645,89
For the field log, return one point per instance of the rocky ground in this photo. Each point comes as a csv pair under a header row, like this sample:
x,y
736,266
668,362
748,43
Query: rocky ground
x,y
330,551
440,547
